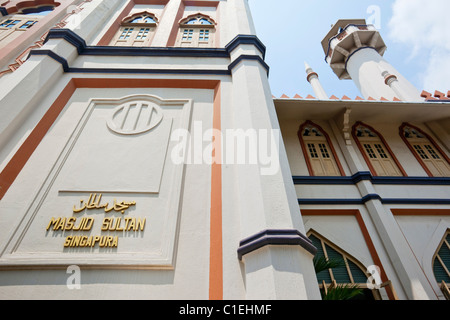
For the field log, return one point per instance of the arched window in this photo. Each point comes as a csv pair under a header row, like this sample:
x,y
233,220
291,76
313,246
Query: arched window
x,y
346,270
441,265
196,31
379,157
431,157
136,30
319,153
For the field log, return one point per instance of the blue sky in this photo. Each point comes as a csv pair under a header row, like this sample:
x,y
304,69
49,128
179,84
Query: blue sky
x,y
416,36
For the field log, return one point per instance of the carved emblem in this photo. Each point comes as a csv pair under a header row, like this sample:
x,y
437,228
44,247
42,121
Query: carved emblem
x,y
135,117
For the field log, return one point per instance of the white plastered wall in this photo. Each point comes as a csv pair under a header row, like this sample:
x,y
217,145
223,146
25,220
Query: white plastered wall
x,y
188,280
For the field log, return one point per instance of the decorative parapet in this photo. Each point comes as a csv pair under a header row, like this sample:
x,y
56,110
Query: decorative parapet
x,y
438,96
333,97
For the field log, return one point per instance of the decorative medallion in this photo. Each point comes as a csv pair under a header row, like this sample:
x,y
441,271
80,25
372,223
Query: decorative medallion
x,y
135,117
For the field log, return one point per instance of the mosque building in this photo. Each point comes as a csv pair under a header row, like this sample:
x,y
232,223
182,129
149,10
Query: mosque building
x,y
143,156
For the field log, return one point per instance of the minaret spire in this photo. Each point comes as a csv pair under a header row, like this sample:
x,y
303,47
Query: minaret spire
x,y
313,79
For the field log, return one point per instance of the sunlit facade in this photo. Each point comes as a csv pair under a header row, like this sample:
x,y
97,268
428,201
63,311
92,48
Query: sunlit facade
x,y
143,156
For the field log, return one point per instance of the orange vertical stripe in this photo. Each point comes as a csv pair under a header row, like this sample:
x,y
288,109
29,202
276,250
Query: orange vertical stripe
x,y
20,158
216,262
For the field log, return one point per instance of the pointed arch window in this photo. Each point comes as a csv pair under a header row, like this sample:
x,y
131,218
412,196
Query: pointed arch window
x,y
196,31
349,271
430,156
379,157
320,155
136,30
441,265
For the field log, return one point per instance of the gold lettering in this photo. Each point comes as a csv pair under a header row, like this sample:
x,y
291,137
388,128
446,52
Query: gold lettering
x,y
75,241
61,224
111,224
67,242
118,224
79,225
94,203
105,224
127,220
83,241
141,224
70,223
76,210
132,225
115,241
88,224
54,222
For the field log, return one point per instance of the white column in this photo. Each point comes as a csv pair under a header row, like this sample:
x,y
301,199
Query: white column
x,y
313,79
238,20
90,21
264,194
166,24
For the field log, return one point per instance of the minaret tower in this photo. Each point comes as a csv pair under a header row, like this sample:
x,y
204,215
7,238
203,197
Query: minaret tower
x,y
313,79
354,50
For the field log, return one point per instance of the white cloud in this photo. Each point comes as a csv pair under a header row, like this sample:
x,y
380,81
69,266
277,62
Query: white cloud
x,y
424,26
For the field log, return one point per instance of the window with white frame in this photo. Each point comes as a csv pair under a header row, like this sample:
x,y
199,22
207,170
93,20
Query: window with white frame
x,y
377,155
196,31
14,25
426,151
136,30
318,151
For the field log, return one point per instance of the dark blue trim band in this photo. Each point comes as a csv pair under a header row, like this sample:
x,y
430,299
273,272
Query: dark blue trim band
x,y
83,49
150,71
275,237
437,100
351,54
345,29
51,54
248,57
246,39
369,197
227,71
3,11
69,36
155,52
366,175
67,68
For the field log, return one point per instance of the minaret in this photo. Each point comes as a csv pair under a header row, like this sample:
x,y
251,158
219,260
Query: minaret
x,y
354,50
313,79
